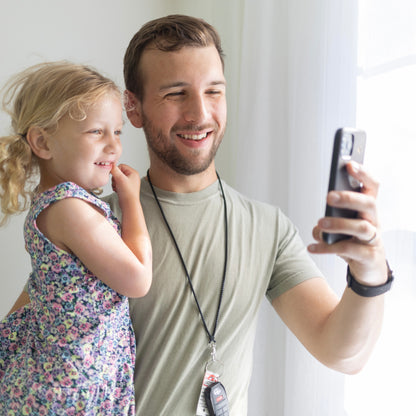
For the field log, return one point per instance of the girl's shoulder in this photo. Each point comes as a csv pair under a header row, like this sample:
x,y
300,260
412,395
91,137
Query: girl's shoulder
x,y
63,191
65,210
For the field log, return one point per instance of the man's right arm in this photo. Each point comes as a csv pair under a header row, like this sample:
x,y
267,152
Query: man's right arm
x,y
21,301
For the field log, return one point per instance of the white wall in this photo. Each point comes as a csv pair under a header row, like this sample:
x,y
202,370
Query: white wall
x,y
96,33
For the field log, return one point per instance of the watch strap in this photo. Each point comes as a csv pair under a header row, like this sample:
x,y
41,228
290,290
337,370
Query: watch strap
x,y
369,291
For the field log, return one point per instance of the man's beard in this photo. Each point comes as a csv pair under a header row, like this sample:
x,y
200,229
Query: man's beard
x,y
161,146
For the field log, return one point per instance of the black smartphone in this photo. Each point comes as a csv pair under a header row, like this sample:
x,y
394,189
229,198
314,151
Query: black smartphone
x,y
349,145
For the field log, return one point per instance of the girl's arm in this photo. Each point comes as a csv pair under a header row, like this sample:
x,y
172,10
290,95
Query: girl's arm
x,y
124,264
126,182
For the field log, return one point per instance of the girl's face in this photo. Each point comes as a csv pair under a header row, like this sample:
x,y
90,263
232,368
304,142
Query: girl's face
x,y
84,151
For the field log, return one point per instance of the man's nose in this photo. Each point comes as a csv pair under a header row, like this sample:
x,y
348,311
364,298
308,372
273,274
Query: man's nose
x,y
196,109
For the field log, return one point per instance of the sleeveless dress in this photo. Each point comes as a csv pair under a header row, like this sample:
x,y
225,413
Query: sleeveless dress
x,y
71,351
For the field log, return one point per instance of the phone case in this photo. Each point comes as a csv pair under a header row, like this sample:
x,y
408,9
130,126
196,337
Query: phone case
x,y
349,145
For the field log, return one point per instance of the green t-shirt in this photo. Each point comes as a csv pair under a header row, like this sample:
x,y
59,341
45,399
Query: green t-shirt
x,y
265,257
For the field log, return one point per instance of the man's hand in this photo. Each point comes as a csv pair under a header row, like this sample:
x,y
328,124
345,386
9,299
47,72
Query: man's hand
x,y
364,251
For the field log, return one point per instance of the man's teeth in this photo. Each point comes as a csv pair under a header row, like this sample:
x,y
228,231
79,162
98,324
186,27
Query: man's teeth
x,y
103,163
193,136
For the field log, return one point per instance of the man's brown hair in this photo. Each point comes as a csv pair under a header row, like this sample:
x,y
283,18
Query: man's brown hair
x,y
170,33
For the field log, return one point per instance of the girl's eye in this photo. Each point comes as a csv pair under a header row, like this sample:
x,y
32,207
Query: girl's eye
x,y
97,131
118,132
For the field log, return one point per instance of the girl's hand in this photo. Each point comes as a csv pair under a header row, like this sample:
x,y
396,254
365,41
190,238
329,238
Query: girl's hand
x,y
126,183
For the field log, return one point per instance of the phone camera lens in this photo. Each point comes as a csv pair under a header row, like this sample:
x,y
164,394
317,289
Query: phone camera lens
x,y
347,144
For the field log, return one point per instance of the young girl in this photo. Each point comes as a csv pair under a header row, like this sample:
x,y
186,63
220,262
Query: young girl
x,y
71,349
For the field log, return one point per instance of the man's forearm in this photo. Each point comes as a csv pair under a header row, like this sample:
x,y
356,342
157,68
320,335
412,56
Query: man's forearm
x,y
352,330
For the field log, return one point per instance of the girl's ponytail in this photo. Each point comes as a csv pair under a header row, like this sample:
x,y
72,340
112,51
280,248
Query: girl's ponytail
x,y
17,166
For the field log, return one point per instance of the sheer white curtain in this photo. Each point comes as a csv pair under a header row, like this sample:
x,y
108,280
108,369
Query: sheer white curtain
x,y
386,107
296,85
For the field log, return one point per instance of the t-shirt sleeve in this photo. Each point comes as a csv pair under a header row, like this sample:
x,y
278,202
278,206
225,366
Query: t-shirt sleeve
x,y
293,264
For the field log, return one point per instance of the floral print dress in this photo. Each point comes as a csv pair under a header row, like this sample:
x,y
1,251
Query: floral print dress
x,y
71,350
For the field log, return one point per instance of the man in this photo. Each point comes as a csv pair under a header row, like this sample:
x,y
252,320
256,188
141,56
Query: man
x,y
216,253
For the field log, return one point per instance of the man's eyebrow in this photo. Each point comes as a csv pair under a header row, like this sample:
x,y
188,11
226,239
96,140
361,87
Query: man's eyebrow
x,y
173,85
185,84
219,82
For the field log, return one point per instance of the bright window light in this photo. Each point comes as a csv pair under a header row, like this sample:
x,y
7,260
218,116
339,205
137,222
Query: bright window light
x,y
386,109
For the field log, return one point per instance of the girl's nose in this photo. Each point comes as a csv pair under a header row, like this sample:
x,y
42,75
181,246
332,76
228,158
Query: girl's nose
x,y
113,144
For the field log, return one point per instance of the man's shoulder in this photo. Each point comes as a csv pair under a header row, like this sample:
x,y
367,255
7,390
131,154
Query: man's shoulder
x,y
110,197
248,202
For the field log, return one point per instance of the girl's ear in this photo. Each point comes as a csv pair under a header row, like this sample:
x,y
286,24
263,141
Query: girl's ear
x,y
133,109
38,142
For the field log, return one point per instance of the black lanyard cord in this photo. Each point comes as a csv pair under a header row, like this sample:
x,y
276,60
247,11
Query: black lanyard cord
x,y
210,336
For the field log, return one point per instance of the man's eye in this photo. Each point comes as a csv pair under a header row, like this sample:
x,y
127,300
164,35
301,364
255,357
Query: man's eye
x,y
214,92
175,94
97,131
118,132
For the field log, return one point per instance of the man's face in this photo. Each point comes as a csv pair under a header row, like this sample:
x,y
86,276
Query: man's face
x,y
183,111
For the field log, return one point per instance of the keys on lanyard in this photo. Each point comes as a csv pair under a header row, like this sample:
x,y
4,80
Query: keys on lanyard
x,y
216,400
213,399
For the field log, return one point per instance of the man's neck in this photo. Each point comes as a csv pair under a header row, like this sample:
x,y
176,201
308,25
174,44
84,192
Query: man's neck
x,y
172,181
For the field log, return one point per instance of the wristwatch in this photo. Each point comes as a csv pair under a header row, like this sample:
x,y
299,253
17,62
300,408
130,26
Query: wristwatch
x,y
369,291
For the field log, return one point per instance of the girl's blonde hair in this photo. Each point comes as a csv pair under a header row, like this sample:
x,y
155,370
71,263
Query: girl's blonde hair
x,y
40,96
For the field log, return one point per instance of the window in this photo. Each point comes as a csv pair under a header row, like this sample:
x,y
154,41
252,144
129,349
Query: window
x,y
386,109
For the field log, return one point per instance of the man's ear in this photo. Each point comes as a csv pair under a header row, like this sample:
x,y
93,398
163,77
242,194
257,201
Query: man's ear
x,y
133,109
38,142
